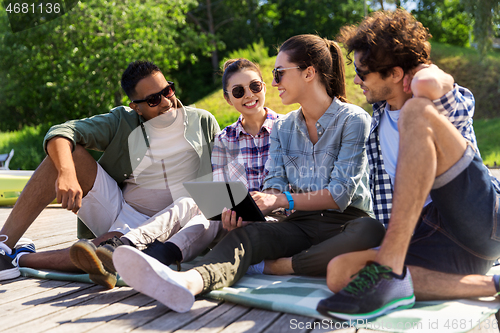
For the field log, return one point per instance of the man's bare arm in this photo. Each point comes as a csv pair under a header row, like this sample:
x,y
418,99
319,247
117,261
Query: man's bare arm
x,y
68,190
429,81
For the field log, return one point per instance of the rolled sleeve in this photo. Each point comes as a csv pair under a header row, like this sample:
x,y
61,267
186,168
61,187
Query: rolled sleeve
x,y
276,172
219,159
93,133
347,174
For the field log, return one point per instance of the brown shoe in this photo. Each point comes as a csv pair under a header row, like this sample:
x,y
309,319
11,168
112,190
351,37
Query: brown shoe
x,y
105,252
83,255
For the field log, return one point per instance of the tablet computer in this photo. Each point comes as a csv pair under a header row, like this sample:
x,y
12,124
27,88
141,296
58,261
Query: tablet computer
x,y
213,197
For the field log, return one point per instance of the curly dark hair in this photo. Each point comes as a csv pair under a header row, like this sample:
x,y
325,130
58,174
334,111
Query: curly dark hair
x,y
386,40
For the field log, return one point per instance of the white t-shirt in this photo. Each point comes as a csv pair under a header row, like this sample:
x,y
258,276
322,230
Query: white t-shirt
x,y
389,143
171,160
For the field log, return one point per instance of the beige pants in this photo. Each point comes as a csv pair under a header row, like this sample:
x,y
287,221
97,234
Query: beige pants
x,y
104,209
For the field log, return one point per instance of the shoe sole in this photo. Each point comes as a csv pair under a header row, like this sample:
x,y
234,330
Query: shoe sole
x,y
400,304
150,277
84,257
10,273
106,257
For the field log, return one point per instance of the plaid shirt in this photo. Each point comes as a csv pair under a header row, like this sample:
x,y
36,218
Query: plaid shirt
x,y
239,156
457,105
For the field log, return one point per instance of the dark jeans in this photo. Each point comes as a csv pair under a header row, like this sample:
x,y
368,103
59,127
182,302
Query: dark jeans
x,y
312,239
459,231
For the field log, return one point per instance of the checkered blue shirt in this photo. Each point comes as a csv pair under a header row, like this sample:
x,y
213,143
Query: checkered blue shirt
x,y
457,105
239,156
336,162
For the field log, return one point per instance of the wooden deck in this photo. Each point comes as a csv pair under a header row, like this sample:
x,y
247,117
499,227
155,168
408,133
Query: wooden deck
x,y
31,305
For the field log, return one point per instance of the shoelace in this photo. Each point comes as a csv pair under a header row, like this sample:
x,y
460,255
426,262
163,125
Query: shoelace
x,y
367,277
2,251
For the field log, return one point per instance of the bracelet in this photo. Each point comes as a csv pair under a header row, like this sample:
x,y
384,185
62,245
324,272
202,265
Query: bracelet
x,y
290,200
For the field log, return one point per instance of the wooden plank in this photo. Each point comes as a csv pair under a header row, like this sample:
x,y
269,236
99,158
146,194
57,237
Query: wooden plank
x,y
103,315
326,325
216,320
50,295
19,283
172,321
489,325
131,321
290,322
257,320
51,315
28,293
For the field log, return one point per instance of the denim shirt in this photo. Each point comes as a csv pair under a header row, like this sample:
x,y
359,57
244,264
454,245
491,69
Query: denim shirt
x,y
337,161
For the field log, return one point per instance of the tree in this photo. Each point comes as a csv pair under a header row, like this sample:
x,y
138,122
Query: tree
x,y
485,13
447,20
71,67
281,19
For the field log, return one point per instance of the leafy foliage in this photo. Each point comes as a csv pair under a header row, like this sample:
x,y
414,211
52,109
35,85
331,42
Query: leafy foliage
x,y
71,67
286,18
486,21
447,20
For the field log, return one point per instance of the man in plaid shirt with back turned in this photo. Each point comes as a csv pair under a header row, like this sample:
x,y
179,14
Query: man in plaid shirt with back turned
x,y
440,204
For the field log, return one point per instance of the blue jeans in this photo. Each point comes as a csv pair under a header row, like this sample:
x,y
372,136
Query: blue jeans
x,y
459,231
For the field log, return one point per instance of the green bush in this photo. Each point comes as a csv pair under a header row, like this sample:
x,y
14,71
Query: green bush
x,y
479,74
27,145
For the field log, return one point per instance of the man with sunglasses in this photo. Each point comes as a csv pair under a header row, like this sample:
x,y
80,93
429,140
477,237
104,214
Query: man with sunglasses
x,y
149,149
429,186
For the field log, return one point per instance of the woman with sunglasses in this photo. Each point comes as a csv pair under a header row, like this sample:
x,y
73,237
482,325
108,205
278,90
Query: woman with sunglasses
x,y
317,168
318,152
241,150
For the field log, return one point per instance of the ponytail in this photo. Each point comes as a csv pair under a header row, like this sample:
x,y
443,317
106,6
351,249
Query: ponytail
x,y
337,80
326,58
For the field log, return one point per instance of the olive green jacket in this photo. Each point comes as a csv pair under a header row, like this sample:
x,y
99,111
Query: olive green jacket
x,y
110,133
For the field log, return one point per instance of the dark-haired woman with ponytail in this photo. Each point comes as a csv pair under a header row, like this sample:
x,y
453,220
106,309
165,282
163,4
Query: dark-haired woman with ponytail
x,y
318,169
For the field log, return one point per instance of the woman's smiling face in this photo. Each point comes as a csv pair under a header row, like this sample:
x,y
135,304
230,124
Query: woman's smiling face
x,y
289,87
251,102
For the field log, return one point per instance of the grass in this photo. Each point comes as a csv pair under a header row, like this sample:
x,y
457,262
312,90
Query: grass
x,y
27,145
488,140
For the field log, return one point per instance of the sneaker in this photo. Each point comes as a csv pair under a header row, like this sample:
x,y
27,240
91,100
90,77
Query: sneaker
x,y
83,255
8,268
9,263
150,277
375,291
105,252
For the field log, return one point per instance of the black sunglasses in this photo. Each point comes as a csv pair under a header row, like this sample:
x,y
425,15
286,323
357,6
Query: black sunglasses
x,y
278,73
361,74
155,99
239,91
